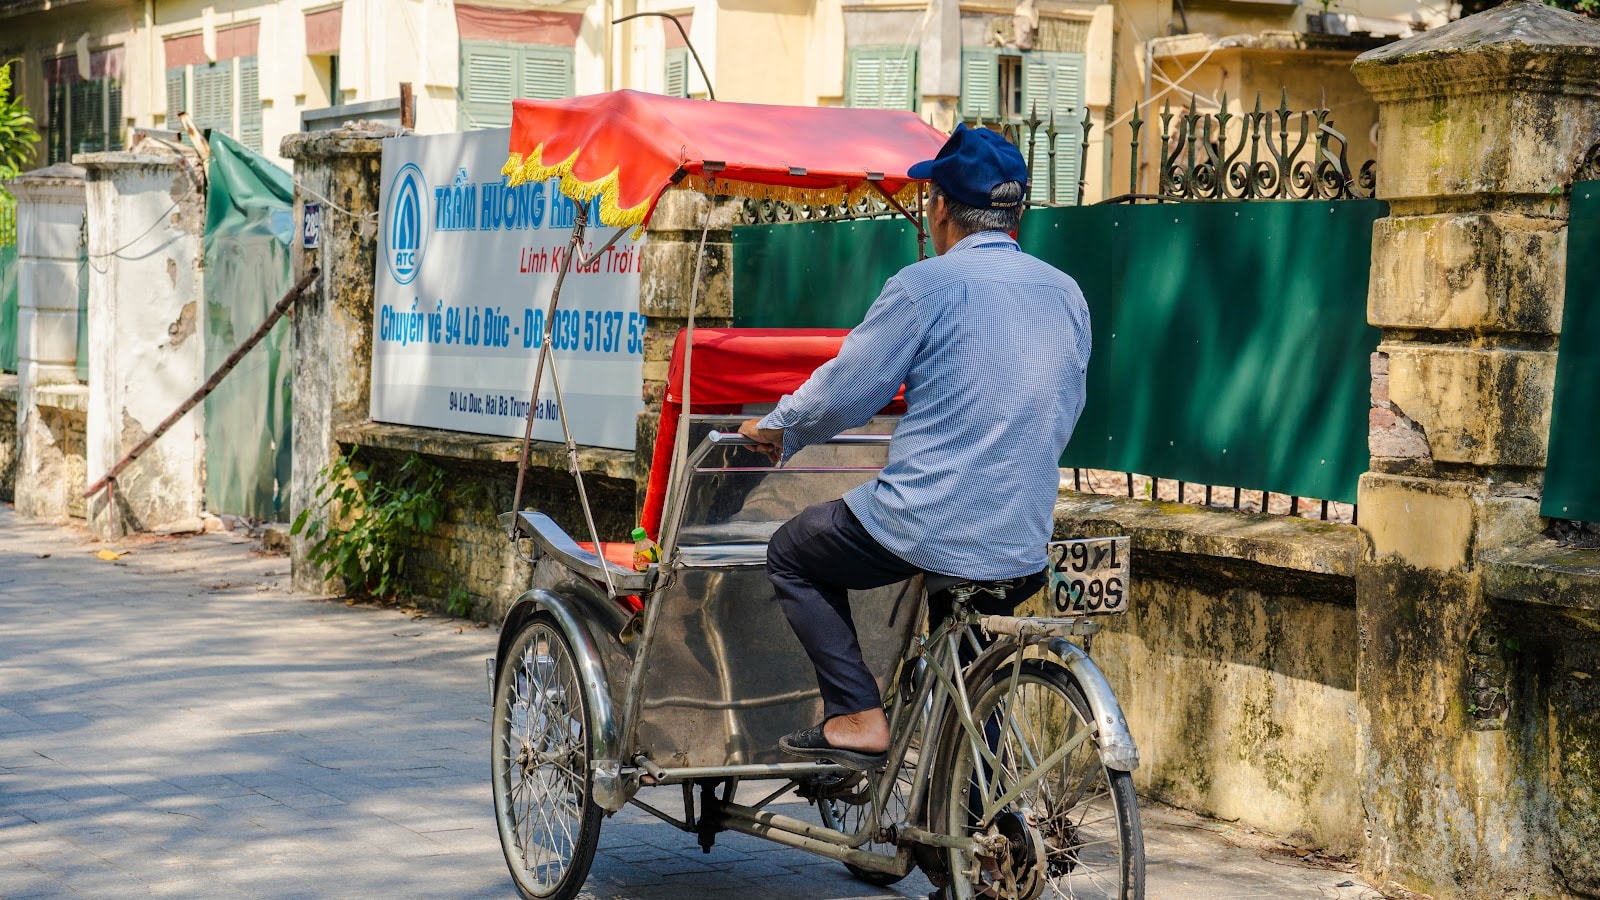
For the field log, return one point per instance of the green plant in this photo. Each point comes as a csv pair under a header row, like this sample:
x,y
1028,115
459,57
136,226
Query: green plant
x,y
1589,8
460,602
16,128
361,529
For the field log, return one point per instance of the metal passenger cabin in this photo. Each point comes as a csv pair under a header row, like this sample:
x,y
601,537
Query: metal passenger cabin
x,y
702,671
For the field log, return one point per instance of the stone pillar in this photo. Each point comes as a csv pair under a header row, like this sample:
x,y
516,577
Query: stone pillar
x,y
146,214
333,318
50,402
1482,122
666,281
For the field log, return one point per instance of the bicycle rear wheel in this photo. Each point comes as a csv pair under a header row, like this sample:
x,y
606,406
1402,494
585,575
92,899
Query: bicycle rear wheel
x,y
1074,830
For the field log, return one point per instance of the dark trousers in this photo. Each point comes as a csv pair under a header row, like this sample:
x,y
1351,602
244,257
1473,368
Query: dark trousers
x,y
814,561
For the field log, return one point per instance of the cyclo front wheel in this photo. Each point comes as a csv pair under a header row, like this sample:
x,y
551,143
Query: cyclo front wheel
x,y
1072,830
547,819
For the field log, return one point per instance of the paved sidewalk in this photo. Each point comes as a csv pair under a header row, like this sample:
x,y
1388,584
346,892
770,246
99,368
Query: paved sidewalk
x,y
174,722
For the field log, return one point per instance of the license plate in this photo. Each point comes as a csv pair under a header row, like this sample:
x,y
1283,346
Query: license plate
x,y
1089,577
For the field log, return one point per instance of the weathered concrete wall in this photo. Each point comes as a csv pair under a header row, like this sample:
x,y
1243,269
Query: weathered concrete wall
x,y
1235,664
50,402
333,318
57,445
8,436
146,214
1477,752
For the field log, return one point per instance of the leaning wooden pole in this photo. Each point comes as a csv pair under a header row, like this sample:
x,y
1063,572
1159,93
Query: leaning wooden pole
x,y
222,371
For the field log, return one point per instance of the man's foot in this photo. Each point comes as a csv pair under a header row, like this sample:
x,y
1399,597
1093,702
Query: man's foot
x,y
811,743
858,740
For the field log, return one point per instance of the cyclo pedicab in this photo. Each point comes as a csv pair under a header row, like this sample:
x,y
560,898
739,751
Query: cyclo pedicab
x,y
1008,768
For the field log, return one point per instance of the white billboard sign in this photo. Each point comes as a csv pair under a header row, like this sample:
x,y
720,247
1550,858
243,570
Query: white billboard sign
x,y
465,269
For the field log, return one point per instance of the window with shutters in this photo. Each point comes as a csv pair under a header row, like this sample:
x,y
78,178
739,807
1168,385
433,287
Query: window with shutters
x,y
1020,84
85,115
220,96
882,78
249,103
212,104
1053,85
677,72
493,73
177,95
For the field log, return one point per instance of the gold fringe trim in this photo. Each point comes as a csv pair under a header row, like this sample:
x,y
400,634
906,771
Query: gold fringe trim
x,y
520,170
789,194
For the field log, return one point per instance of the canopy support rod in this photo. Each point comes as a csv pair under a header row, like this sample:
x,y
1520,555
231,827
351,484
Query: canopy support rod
x,y
538,372
578,229
916,221
577,475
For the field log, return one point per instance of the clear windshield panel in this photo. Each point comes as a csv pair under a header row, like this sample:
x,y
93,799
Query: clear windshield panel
x,y
736,495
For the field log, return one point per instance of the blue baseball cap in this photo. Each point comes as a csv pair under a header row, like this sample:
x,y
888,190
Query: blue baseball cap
x,y
972,164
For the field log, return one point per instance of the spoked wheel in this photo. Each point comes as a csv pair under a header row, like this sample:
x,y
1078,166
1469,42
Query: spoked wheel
x,y
1073,832
548,822
847,805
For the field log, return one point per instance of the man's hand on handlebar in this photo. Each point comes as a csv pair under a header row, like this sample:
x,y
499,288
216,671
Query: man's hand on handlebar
x,y
768,440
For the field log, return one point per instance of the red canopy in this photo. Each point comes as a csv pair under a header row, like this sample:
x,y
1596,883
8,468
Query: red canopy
x,y
626,147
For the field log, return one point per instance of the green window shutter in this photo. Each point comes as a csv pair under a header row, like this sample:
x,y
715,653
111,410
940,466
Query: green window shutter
x,y
546,74
882,78
249,103
980,83
177,96
1054,81
864,81
88,126
58,131
488,84
114,115
213,97
677,81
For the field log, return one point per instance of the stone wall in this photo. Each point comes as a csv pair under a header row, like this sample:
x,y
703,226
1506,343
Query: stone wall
x,y
1476,712
467,557
1235,664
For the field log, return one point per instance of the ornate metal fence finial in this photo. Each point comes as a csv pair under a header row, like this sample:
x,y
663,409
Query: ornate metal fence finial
x,y
1203,155
1133,161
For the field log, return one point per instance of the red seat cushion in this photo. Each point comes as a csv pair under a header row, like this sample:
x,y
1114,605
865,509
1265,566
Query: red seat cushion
x,y
615,552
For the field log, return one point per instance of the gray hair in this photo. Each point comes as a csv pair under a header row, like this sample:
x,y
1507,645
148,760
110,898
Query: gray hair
x,y
972,219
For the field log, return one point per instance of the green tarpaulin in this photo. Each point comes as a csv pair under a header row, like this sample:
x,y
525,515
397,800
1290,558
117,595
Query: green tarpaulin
x,y
1571,490
1230,339
249,223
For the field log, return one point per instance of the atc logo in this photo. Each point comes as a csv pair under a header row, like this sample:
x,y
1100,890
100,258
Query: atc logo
x,y
408,231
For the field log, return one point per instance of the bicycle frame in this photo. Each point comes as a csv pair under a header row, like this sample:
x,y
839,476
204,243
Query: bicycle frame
x,y
941,691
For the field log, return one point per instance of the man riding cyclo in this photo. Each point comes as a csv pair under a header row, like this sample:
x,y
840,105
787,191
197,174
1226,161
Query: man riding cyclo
x,y
991,346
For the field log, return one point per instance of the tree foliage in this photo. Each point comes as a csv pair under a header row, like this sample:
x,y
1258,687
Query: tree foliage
x,y
1590,8
17,133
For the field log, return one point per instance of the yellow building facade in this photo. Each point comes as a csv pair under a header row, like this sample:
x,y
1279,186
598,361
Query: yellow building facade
x,y
93,69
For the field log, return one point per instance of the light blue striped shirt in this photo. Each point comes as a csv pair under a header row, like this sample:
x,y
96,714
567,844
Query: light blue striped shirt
x,y
991,345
